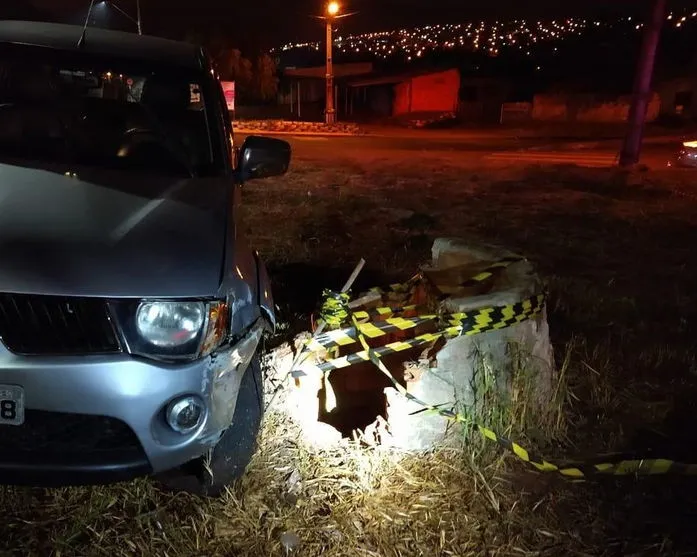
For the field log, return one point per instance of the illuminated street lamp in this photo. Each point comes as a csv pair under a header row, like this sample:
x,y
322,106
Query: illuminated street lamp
x,y
332,10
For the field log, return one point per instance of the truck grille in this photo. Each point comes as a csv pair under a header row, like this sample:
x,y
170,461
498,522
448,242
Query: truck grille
x,y
52,325
56,433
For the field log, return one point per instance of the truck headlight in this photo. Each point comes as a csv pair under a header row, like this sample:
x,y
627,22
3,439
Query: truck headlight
x,y
170,324
172,329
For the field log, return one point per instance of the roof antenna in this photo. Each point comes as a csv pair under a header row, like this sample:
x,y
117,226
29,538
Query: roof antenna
x,y
81,40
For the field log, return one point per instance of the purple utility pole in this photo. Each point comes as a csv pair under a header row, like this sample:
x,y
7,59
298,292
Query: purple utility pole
x,y
641,95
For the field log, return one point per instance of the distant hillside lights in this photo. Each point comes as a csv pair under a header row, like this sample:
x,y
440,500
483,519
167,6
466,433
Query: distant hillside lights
x,y
481,36
683,19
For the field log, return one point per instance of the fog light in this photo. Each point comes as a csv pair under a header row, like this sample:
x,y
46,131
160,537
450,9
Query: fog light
x,y
185,414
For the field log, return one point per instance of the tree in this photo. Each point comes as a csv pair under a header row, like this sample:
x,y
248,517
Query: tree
x,y
265,80
253,82
232,66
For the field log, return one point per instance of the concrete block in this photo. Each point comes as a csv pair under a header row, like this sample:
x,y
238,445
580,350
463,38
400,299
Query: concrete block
x,y
503,354
460,373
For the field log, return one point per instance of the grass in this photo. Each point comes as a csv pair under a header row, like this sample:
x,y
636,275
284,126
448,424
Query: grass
x,y
616,248
516,412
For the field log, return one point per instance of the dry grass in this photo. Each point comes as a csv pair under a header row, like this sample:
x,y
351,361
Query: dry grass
x,y
617,250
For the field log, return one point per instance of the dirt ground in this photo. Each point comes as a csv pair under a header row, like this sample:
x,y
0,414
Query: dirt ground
x,y
616,249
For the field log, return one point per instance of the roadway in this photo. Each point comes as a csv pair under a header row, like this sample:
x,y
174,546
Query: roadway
x,y
473,147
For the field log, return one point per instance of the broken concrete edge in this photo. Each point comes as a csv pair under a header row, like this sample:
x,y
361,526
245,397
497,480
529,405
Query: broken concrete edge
x,y
523,281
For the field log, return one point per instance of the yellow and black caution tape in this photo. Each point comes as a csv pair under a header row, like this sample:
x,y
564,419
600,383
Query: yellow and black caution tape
x,y
452,325
498,318
382,312
379,352
335,308
345,337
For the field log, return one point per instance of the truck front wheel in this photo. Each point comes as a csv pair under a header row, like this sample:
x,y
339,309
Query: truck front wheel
x,y
227,461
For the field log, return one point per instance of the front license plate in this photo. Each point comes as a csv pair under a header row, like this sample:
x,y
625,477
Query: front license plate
x,y
11,405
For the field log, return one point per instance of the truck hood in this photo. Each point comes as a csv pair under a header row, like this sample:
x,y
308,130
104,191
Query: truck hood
x,y
108,233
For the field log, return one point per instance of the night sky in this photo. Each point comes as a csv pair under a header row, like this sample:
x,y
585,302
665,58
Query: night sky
x,y
265,23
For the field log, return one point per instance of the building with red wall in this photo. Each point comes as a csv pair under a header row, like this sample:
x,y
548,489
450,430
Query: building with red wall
x,y
432,92
417,92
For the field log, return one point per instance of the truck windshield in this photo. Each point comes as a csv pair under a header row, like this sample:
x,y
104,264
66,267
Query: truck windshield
x,y
70,107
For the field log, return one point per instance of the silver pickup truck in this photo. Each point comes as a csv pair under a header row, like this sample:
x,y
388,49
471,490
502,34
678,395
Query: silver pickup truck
x,y
131,307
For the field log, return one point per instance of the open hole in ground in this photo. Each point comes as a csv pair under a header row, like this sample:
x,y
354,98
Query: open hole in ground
x,y
353,398
349,399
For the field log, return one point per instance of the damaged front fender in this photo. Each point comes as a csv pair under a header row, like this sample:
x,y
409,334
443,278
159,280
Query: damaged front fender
x,y
225,372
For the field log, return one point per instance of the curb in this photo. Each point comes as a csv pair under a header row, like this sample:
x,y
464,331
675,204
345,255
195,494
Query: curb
x,y
316,134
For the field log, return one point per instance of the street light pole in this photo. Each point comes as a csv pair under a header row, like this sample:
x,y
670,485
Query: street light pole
x,y
329,111
140,29
641,96
330,114
331,14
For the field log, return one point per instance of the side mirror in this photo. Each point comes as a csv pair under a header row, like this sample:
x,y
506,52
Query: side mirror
x,y
262,157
